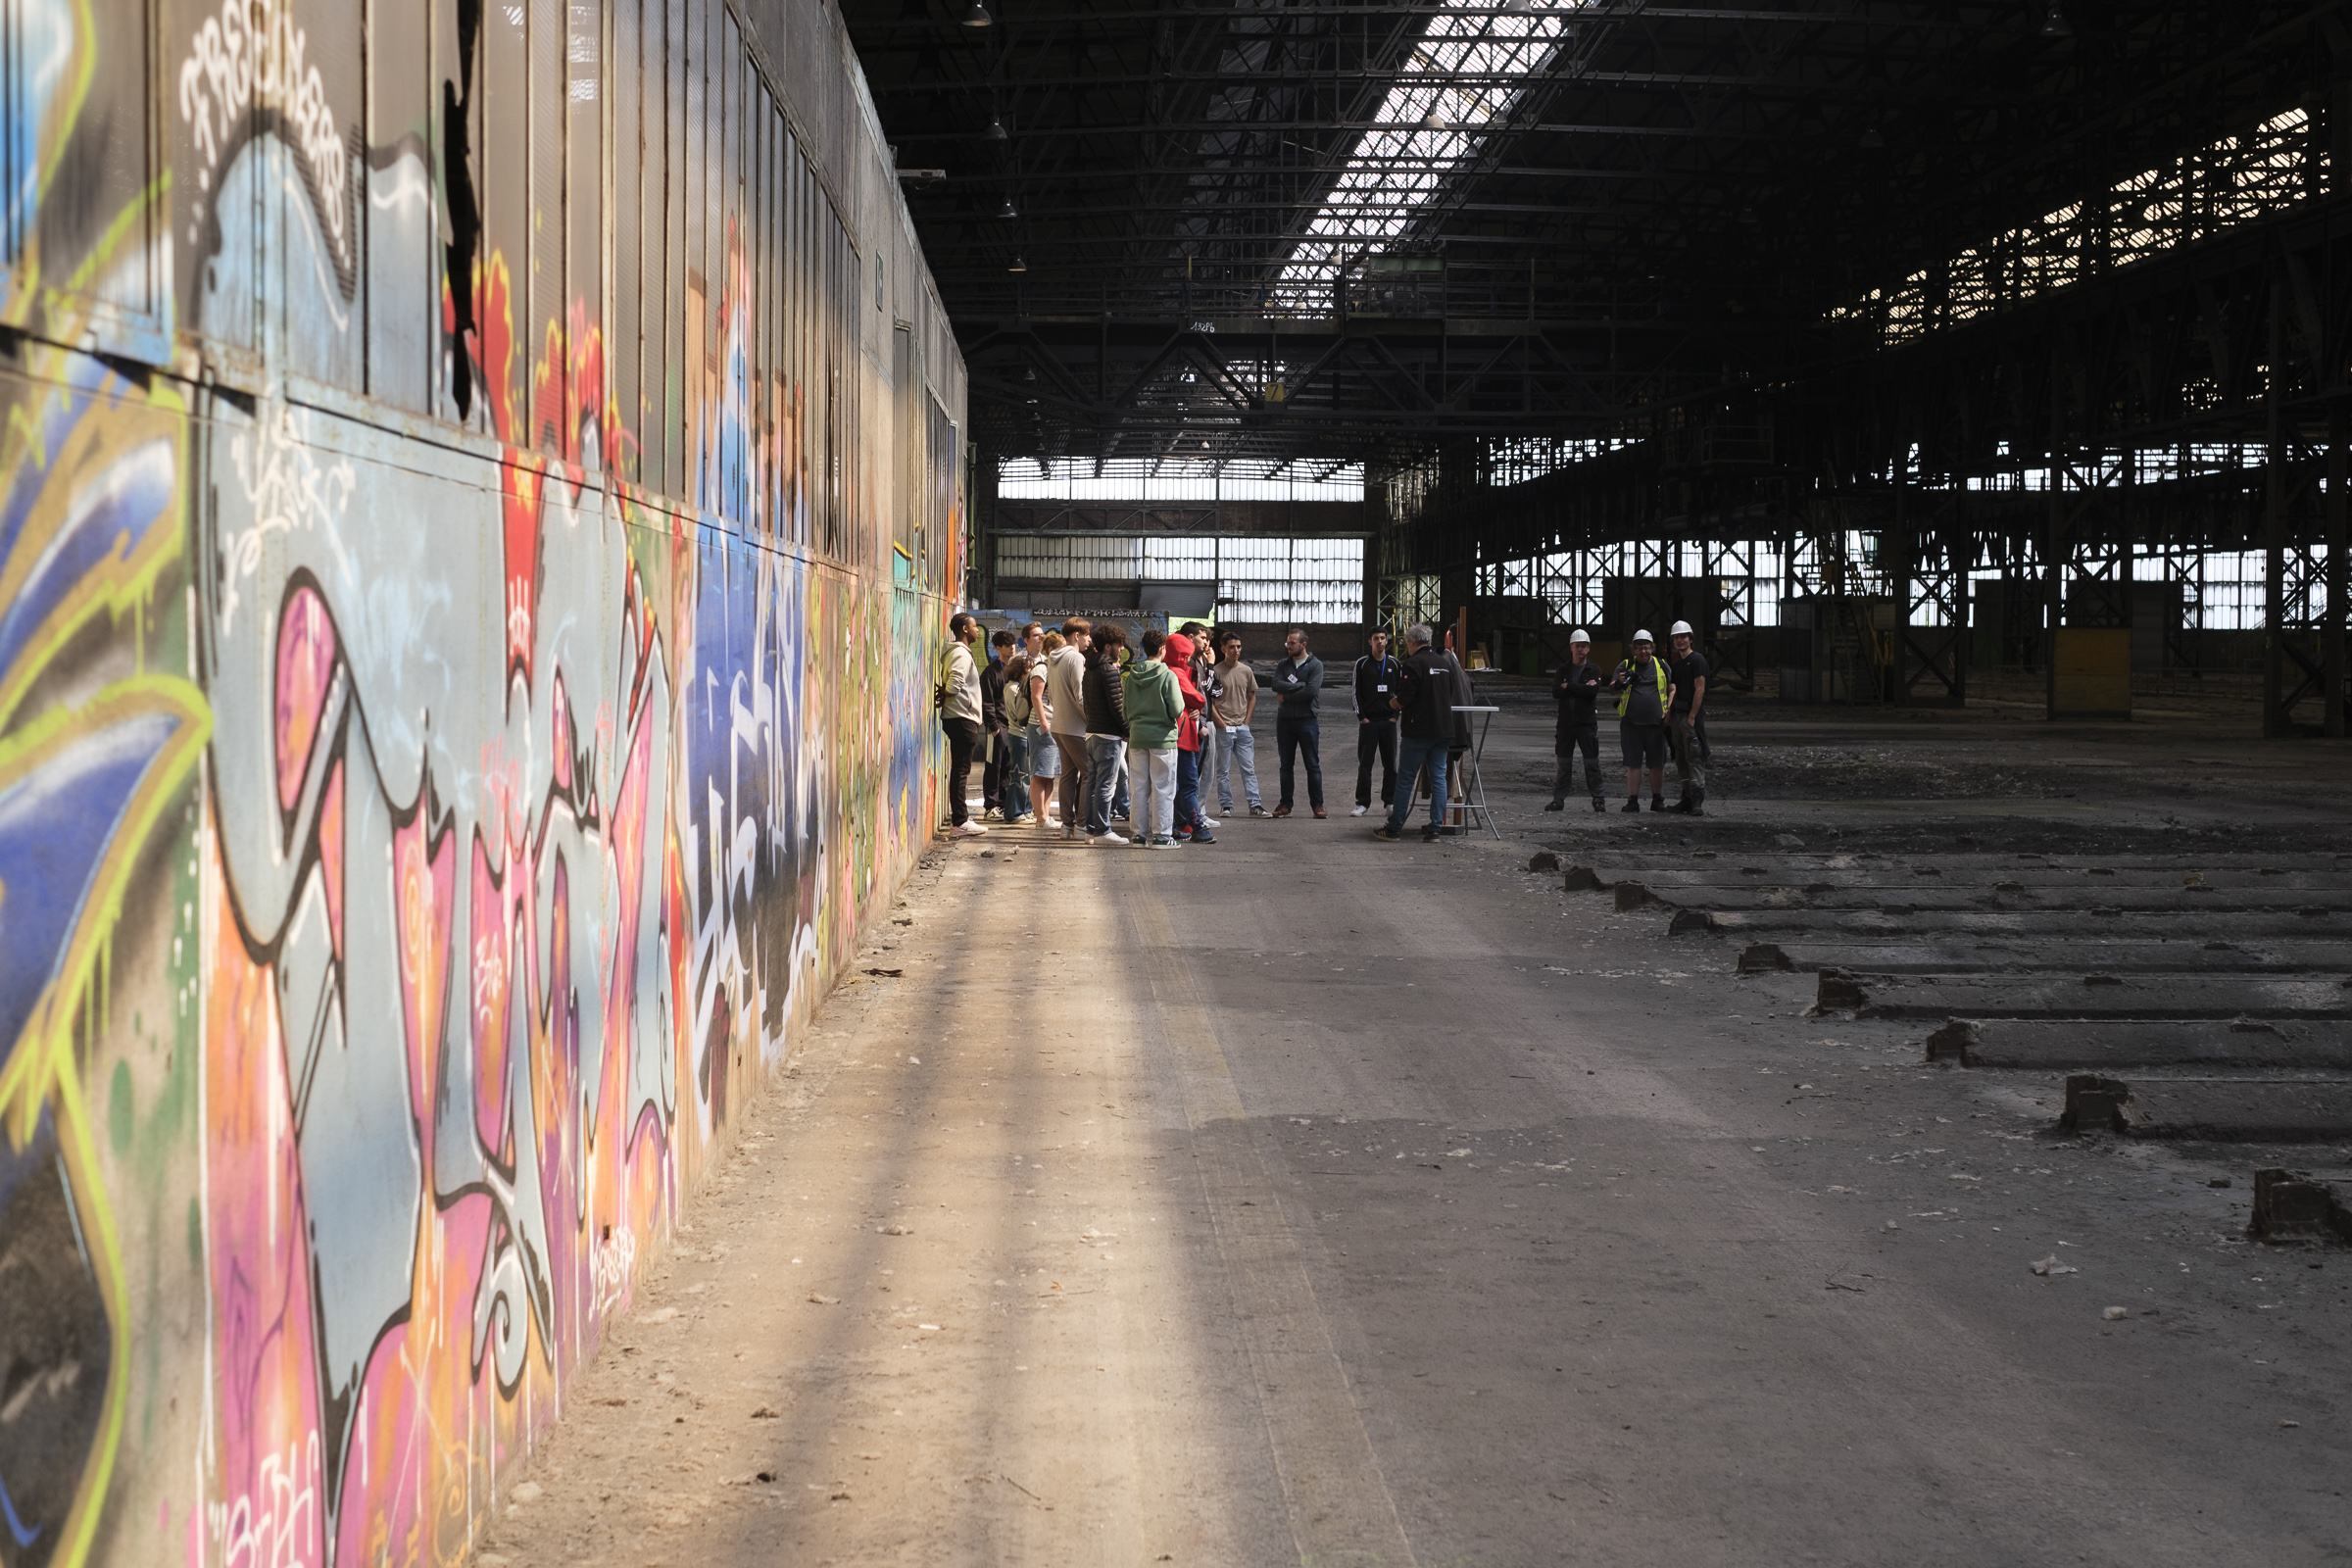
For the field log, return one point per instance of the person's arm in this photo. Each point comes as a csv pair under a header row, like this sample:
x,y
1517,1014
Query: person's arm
x,y
1698,696
1310,681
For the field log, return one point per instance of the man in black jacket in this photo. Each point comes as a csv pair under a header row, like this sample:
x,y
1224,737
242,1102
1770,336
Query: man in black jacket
x,y
1576,686
1105,730
1004,788
1297,687
1377,675
1423,703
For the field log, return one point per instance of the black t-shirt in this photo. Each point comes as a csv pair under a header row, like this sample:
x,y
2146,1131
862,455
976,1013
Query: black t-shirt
x,y
1685,672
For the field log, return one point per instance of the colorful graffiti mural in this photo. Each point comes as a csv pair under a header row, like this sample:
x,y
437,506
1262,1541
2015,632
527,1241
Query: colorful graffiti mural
x,y
450,731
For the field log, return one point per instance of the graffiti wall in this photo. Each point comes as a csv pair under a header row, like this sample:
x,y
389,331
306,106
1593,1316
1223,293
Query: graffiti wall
x,y
479,503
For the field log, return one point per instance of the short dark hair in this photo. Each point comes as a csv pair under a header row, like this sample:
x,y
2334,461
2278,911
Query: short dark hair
x,y
1031,630
1003,639
1224,638
1191,627
1110,634
1301,630
1154,641
958,621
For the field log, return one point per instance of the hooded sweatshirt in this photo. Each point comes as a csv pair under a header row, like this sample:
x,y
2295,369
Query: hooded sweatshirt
x,y
1179,656
1154,704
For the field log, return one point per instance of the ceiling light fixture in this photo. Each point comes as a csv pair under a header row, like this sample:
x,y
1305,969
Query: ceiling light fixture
x,y
1872,139
2053,23
996,129
1007,210
976,14
1018,266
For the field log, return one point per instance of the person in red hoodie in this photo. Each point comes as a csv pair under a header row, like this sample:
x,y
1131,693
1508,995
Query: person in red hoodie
x,y
1177,653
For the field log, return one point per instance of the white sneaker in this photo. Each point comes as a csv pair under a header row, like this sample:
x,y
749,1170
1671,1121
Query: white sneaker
x,y
1359,811
969,830
994,814
1105,838
1209,821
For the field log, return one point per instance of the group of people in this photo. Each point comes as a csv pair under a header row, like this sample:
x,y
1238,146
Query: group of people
x,y
1079,731
1661,708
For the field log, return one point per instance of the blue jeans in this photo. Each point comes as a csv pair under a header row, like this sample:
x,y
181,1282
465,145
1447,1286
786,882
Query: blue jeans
x,y
1411,753
1103,755
1234,744
1188,791
1293,736
1013,782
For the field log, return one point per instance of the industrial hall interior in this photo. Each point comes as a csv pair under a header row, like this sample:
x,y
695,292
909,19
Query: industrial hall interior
x,y
669,670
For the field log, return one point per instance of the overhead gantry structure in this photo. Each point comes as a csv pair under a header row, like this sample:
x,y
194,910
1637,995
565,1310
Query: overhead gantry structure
x,y
2052,297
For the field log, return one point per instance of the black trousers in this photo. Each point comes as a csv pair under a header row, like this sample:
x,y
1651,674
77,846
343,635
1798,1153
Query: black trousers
x,y
963,739
992,771
1293,736
1585,738
1376,739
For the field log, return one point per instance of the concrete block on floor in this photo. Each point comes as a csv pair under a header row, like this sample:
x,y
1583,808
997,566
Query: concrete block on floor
x,y
2079,1043
2275,1110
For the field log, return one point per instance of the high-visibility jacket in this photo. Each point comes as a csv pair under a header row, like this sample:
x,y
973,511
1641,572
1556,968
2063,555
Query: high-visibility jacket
x,y
1625,698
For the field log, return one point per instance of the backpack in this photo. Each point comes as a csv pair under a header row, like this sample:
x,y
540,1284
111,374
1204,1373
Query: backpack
x,y
1016,703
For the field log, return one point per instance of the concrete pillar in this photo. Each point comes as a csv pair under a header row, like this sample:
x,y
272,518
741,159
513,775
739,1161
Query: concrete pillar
x,y
2273,539
2339,507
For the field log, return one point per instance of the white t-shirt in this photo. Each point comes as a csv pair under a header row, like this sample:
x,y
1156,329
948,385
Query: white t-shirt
x,y
1065,691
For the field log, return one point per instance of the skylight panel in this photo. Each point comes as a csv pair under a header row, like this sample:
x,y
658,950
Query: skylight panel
x,y
1467,72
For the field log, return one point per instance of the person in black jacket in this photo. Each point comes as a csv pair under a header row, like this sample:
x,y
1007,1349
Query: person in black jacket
x,y
1105,730
1004,787
1377,675
1424,704
1576,687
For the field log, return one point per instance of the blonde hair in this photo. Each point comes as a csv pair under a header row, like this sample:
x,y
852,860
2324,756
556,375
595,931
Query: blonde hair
x,y
1053,640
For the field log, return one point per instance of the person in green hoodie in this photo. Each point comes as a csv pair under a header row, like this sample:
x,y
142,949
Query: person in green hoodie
x,y
1154,708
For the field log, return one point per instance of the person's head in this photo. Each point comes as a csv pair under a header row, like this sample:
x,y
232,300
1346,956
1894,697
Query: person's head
x,y
1178,649
1416,637
1154,641
1016,668
1193,631
1681,636
1580,646
1230,645
1003,642
1378,642
1643,647
1033,637
1078,632
1052,642
1108,639
962,627
1294,644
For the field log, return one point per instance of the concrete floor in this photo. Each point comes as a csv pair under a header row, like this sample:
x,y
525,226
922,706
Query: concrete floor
x,y
1308,1198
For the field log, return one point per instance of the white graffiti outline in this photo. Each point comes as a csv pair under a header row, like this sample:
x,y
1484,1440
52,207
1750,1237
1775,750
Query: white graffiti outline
x,y
252,54
287,489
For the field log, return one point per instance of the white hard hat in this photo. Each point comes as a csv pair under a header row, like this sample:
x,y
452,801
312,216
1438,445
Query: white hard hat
x,y
1643,637
1580,635
1682,629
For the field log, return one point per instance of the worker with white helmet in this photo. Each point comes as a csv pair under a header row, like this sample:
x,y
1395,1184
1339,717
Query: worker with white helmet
x,y
1575,686
1686,729
1644,696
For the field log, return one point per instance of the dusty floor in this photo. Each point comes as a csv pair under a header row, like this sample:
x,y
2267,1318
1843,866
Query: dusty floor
x,y
1305,1199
